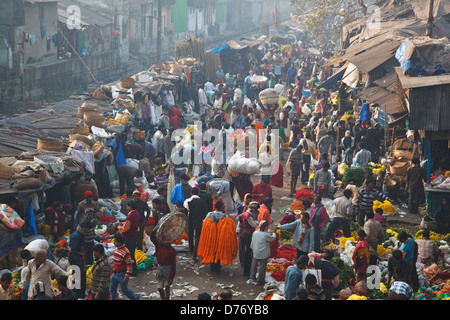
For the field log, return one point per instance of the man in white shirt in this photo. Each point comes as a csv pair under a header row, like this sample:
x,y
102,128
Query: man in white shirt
x,y
279,87
342,218
237,98
260,246
209,86
202,99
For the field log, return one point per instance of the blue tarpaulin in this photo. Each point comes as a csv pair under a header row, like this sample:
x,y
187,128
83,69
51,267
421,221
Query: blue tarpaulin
x,y
222,49
331,81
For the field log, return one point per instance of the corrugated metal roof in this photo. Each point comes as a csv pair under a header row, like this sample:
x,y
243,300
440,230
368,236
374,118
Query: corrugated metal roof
x,y
440,8
368,59
387,100
417,82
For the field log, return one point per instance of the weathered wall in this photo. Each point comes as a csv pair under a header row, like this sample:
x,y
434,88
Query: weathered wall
x,y
43,79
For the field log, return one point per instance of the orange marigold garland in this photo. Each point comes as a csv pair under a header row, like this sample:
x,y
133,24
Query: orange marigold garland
x,y
207,243
210,249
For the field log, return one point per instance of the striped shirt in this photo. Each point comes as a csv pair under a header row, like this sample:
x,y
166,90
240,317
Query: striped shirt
x,y
362,158
100,278
122,260
366,198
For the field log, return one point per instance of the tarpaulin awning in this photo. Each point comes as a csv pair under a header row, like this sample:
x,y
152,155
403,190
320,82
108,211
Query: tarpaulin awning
x,y
220,49
331,81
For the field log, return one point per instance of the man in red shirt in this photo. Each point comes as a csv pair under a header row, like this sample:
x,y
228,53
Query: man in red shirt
x,y
122,269
129,229
262,190
166,257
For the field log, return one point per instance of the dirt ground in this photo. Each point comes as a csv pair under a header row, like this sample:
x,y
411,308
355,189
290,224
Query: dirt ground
x,y
194,278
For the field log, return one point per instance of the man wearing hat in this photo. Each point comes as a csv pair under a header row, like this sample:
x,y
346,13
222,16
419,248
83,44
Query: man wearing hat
x,y
88,202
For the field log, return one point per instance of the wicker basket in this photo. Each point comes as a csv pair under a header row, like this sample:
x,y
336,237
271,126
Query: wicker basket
x,y
81,138
94,119
127,83
6,172
80,130
401,144
50,144
87,107
402,154
399,167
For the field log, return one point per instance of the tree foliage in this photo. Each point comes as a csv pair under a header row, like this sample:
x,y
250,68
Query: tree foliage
x,y
315,14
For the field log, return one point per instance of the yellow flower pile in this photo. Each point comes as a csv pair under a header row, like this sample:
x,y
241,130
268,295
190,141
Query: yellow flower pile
x,y
89,276
392,233
357,297
377,170
46,230
139,256
383,287
381,251
433,235
386,206
343,240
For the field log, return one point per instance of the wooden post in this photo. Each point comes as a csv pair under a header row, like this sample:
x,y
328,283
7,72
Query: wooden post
x,y
430,19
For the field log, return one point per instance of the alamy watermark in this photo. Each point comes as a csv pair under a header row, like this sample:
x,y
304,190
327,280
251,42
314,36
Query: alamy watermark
x,y
228,147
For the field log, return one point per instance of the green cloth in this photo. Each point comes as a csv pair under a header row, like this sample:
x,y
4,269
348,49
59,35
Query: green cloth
x,y
282,134
43,29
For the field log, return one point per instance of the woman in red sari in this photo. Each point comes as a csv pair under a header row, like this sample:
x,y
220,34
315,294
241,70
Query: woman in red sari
x,y
276,179
361,254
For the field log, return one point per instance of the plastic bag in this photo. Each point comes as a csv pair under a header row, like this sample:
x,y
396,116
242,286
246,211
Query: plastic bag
x,y
10,217
445,184
177,195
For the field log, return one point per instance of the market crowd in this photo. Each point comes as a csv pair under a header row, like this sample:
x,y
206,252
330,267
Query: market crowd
x,y
318,133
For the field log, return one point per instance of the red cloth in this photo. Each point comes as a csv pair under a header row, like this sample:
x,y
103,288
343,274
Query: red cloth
x,y
276,178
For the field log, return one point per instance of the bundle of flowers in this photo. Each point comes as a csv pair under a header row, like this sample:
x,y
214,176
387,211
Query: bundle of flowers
x,y
304,194
344,240
356,297
106,218
387,206
284,235
15,291
287,252
296,205
277,269
381,251
274,245
184,237
434,236
218,242
441,292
